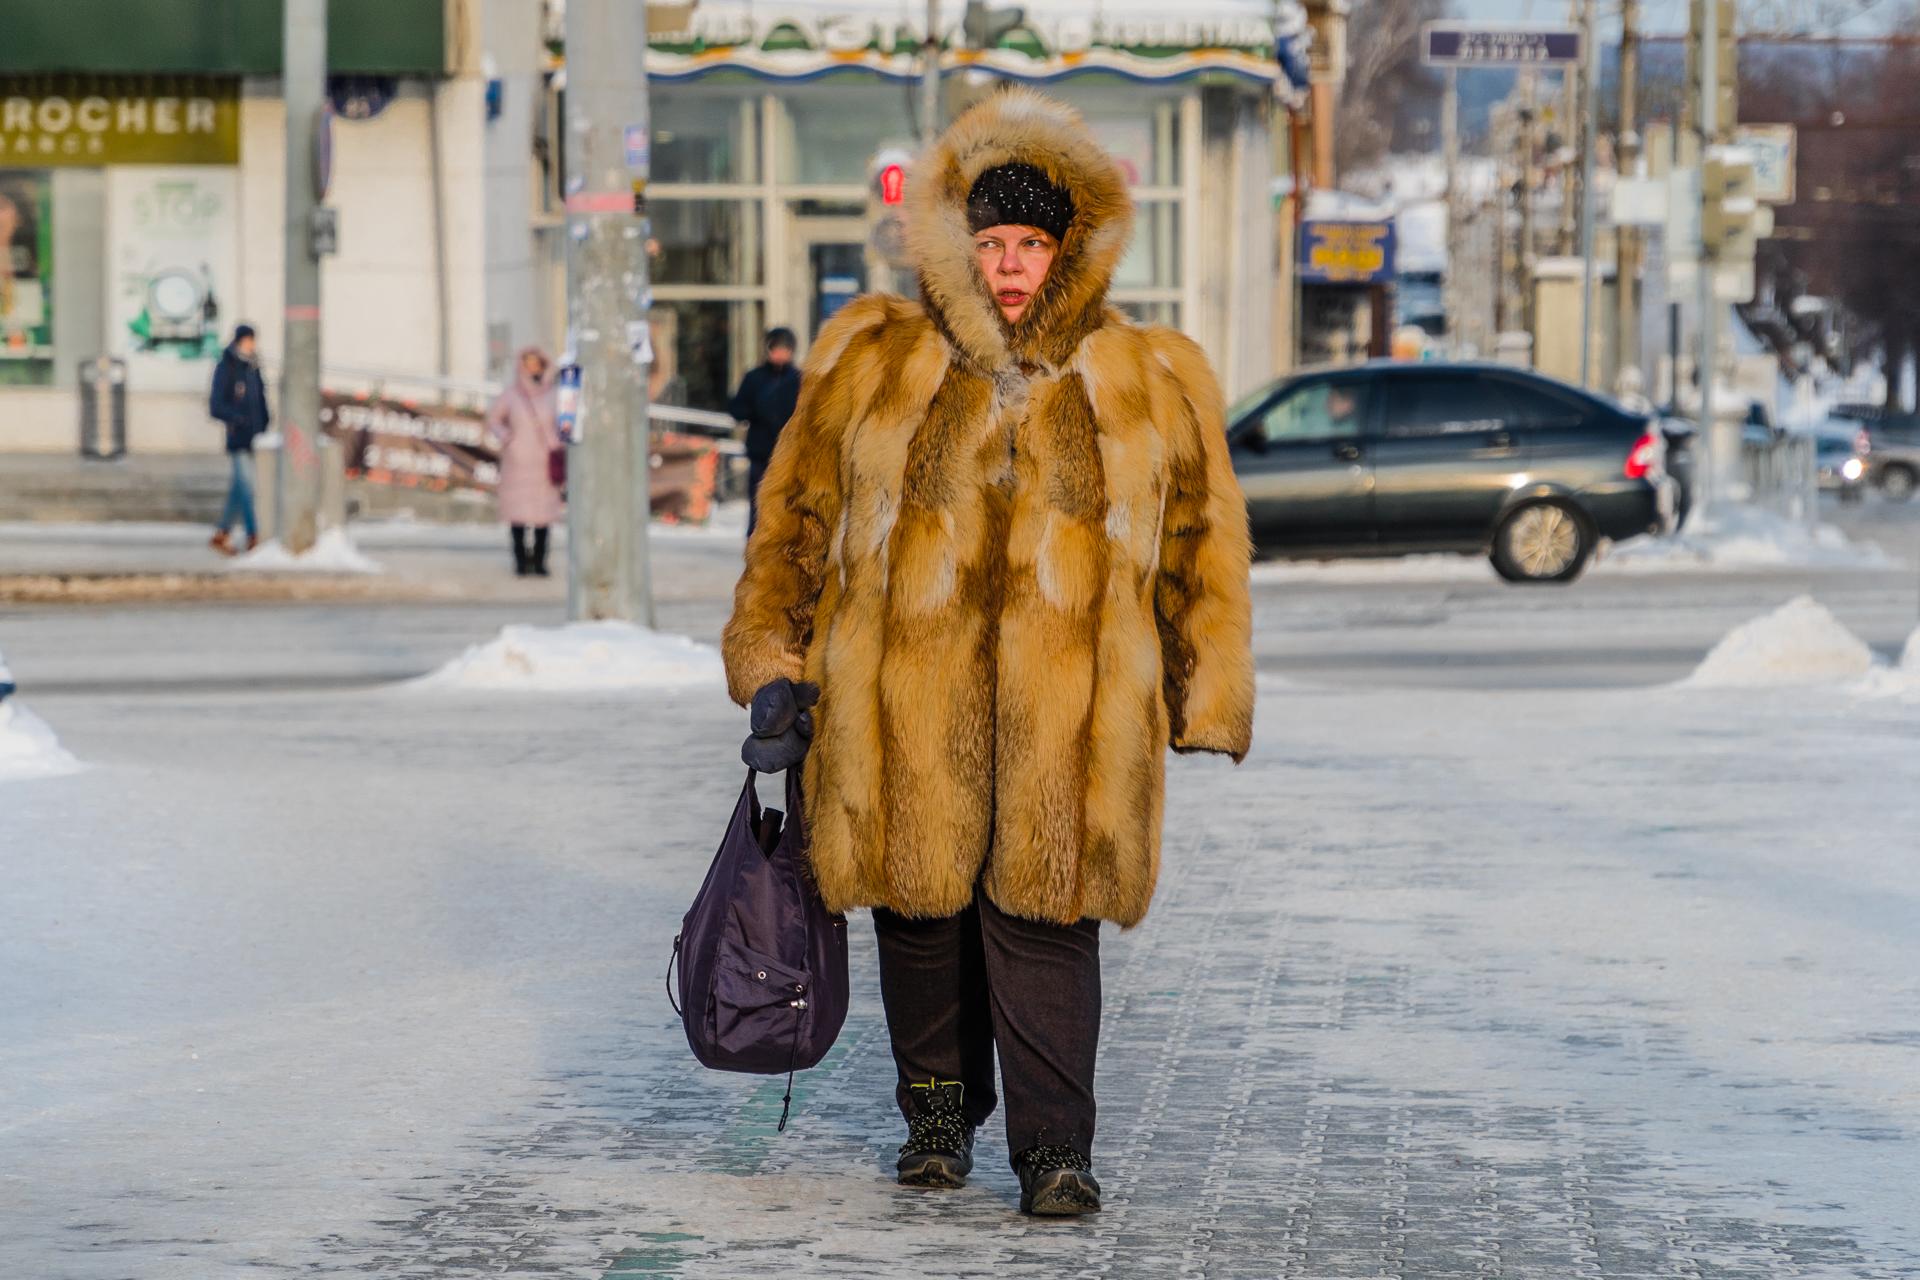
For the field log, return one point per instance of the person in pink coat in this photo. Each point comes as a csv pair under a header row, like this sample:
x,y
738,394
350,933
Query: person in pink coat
x,y
522,425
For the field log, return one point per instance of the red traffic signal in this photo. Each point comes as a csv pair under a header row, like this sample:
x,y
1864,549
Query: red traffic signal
x,y
892,181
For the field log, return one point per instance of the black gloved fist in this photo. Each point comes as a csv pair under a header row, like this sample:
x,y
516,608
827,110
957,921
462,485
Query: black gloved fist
x,y
782,720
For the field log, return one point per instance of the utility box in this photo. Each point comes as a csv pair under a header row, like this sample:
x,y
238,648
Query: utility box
x,y
103,407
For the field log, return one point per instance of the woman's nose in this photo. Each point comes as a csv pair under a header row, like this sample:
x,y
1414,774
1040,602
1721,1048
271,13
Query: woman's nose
x,y
1009,263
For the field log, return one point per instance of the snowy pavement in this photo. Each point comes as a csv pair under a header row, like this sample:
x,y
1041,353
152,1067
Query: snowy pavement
x,y
1499,957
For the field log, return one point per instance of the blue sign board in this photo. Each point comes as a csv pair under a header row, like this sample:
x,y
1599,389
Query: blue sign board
x,y
1462,44
1358,253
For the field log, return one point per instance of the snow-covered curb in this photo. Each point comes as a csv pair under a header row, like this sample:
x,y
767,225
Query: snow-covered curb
x,y
583,657
333,552
1801,644
1743,538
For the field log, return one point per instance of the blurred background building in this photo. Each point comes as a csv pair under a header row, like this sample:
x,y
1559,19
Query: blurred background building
x,y
142,184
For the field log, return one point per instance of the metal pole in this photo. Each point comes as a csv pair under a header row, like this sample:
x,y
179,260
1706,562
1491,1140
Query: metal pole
x,y
1589,127
1525,263
1450,147
607,159
1626,276
930,77
303,79
1718,467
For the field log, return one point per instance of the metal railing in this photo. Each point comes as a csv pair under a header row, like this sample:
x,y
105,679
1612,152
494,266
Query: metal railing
x,y
478,394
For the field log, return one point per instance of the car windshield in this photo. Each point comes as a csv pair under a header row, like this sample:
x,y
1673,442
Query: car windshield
x,y
1247,403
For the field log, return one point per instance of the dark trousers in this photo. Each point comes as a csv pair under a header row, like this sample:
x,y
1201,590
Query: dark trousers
x,y
756,472
529,559
957,989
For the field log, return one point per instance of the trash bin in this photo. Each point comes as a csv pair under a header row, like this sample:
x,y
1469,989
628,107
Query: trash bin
x,y
103,407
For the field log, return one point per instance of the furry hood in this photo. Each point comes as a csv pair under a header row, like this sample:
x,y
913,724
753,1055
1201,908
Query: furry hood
x,y
1018,125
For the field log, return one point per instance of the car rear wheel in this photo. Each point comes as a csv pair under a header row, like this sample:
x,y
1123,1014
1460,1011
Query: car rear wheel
x,y
1542,542
1897,482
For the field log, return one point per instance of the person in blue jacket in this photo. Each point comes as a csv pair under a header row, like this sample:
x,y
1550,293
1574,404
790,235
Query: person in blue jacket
x,y
765,400
239,402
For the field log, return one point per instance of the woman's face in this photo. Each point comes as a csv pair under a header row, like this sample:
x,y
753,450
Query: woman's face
x,y
1015,260
533,365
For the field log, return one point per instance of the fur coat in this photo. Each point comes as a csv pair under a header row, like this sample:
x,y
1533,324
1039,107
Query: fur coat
x,y
1013,557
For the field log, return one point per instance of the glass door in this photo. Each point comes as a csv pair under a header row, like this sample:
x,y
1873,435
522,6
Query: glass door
x,y
830,257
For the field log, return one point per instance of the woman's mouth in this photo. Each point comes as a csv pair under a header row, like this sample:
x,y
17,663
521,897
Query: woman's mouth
x,y
1011,297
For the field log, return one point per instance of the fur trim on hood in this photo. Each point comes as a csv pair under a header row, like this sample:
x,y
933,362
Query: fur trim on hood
x,y
1018,125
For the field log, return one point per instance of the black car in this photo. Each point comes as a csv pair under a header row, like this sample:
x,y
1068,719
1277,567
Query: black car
x,y
1390,458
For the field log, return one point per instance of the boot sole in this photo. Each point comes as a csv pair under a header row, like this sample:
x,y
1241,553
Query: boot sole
x,y
1062,1193
934,1170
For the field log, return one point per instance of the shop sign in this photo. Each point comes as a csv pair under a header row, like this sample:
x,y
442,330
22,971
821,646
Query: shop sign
x,y
26,268
801,41
103,120
1346,252
173,235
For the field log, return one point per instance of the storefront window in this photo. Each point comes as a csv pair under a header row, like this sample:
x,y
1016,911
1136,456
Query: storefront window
x,y
708,242
26,277
834,128
712,345
1142,135
1153,259
705,136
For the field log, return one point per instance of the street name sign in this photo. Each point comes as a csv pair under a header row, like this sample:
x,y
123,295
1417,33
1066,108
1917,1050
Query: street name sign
x,y
1492,44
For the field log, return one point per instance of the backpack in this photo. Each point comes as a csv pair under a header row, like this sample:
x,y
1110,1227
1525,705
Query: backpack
x,y
763,963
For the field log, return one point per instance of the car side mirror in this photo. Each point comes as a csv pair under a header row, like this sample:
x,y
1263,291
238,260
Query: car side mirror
x,y
1249,439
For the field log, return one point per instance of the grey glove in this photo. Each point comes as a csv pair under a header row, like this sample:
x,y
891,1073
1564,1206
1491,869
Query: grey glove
x,y
782,722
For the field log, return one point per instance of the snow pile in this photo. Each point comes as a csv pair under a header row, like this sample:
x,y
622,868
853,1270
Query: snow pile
x,y
334,552
1902,681
1747,538
1798,643
580,658
28,748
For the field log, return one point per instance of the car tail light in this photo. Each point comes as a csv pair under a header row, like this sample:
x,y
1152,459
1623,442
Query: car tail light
x,y
1863,443
1647,455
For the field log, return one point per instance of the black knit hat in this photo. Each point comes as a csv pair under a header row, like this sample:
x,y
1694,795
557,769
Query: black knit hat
x,y
1018,195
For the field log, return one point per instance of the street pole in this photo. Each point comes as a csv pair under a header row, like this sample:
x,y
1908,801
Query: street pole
x,y
1626,274
303,79
1450,147
1589,129
608,472
1524,265
930,77
1704,360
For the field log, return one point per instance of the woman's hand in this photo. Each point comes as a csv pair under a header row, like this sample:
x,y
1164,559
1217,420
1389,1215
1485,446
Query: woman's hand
x,y
782,722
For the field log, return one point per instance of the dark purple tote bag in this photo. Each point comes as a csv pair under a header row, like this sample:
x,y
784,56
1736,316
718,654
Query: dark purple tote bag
x,y
763,963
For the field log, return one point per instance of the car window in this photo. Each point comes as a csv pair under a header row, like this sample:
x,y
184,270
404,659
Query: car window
x,y
1532,406
1320,411
1421,406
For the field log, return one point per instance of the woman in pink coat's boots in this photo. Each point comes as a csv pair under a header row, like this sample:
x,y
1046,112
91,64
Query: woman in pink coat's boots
x,y
522,424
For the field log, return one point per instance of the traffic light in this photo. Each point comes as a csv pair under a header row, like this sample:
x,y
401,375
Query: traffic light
x,y
1714,19
1730,210
887,176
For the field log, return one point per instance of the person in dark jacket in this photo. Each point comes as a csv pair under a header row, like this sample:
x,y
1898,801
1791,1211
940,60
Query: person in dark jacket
x,y
764,402
239,402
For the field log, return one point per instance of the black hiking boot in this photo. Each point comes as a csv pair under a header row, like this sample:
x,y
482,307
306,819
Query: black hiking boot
x,y
938,1151
1056,1182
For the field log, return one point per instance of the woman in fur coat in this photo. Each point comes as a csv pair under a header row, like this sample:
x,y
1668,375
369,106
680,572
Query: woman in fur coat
x,y
1001,566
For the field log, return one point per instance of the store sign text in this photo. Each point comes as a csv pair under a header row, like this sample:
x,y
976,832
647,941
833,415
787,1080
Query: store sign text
x,y
105,127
